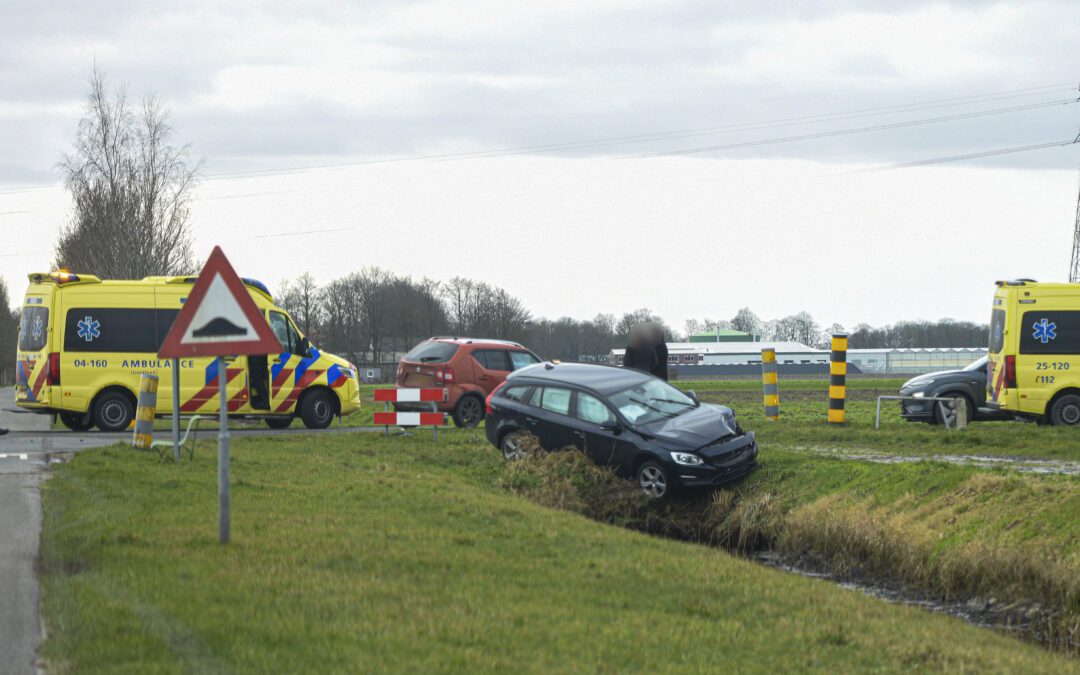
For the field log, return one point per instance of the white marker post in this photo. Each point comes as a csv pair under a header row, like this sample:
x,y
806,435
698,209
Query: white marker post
x,y
223,456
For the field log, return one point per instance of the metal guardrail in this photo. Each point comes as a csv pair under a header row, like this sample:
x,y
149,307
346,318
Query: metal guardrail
x,y
941,401
163,447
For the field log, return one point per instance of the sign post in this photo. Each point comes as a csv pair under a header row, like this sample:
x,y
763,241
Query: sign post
x,y
220,319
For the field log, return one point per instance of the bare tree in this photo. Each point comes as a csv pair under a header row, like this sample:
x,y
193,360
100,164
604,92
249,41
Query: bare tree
x,y
746,321
301,299
131,190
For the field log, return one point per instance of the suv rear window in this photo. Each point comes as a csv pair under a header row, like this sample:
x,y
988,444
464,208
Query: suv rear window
x,y
432,352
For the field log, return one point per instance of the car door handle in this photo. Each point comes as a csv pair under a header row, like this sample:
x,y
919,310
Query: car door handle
x,y
530,420
483,378
580,434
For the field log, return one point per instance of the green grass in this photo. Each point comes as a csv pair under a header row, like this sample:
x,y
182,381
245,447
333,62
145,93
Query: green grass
x,y
804,403
357,553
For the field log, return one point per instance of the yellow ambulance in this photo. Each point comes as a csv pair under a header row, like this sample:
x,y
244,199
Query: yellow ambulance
x,y
84,342
1034,366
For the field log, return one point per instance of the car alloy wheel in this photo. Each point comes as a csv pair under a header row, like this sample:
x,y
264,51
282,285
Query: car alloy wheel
x,y
513,446
652,480
469,412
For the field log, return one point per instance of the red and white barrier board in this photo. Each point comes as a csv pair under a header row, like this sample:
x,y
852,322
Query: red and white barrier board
x,y
410,419
410,395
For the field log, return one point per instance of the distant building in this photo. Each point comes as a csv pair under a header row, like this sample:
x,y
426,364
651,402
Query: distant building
x,y
913,360
733,353
719,358
722,335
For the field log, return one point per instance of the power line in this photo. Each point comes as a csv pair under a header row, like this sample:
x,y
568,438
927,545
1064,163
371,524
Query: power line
x,y
846,132
975,155
620,140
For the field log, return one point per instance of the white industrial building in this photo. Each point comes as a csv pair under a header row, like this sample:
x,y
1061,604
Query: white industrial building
x,y
733,353
883,361
913,360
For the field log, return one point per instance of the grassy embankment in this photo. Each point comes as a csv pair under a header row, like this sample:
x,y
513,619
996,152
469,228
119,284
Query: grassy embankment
x,y
362,553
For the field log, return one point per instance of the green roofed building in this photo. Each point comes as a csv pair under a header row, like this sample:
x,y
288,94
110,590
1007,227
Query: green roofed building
x,y
722,335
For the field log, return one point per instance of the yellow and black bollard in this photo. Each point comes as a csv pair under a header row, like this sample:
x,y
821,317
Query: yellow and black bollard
x,y
769,384
144,414
837,379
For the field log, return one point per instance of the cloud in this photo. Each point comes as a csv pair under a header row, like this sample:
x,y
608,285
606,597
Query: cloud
x,y
251,83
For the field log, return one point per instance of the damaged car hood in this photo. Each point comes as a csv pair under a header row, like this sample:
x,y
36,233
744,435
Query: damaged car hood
x,y
691,430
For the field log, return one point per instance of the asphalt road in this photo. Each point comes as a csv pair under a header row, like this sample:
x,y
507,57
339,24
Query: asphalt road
x,y
24,456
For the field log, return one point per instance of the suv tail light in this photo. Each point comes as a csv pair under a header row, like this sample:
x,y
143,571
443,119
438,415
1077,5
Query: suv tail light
x,y
1010,372
53,378
487,403
444,375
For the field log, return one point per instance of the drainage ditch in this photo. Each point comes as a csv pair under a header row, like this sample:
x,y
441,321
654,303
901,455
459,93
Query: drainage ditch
x,y
753,525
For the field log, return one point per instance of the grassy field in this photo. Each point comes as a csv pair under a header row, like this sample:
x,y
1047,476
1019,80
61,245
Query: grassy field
x,y
360,553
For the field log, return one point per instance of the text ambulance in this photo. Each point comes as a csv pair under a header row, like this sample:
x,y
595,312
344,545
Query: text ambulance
x,y
84,342
1034,367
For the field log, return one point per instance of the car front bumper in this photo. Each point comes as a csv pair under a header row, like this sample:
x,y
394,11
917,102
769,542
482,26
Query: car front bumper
x,y
724,463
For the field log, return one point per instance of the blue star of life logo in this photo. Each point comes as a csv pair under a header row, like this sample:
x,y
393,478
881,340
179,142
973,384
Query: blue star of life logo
x,y
37,328
89,328
1045,331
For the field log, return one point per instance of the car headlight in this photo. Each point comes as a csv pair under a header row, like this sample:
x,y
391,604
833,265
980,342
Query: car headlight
x,y
686,459
919,394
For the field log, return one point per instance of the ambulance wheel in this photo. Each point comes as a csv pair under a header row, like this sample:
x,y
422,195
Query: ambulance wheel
x,y
1066,410
113,411
76,421
279,422
317,409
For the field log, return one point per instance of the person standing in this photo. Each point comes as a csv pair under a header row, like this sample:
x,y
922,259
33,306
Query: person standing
x,y
660,367
640,352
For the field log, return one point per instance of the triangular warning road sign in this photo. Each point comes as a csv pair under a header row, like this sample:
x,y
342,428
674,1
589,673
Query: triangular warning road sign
x,y
219,317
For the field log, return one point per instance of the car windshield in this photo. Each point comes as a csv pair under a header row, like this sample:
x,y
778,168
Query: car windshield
x,y
651,400
977,365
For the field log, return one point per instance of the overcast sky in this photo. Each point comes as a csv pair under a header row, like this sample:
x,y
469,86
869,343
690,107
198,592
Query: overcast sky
x,y
573,218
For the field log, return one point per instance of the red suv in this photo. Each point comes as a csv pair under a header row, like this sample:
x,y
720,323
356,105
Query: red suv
x,y
470,368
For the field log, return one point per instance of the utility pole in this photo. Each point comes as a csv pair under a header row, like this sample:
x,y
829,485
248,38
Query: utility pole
x,y
1074,267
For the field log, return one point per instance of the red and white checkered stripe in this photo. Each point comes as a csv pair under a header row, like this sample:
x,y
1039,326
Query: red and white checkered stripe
x,y
410,419
413,395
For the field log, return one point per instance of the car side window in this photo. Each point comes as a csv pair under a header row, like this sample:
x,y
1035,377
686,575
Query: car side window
x,y
516,393
535,396
556,399
522,359
284,332
492,359
592,409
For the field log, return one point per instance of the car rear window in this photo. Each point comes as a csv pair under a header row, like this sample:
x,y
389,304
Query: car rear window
x,y
997,330
33,328
432,352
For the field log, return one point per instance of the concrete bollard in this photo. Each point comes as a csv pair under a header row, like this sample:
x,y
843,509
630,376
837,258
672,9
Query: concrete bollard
x,y
769,384
960,412
144,414
837,379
